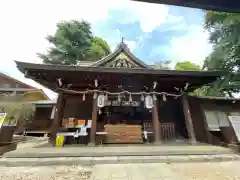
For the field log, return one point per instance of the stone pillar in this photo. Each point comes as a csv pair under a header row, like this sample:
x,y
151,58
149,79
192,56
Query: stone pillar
x,y
56,123
94,123
156,123
188,120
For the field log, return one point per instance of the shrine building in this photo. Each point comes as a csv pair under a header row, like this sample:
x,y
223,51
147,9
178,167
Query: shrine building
x,y
120,99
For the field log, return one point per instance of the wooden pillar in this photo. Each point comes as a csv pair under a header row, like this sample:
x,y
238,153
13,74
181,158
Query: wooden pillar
x,y
206,129
156,123
57,118
188,120
94,123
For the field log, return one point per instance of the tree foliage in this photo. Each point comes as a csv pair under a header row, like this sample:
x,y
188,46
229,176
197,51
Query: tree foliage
x,y
99,48
74,42
18,112
224,29
187,65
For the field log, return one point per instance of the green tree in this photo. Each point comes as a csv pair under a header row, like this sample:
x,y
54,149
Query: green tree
x,y
224,29
99,48
187,65
18,111
74,42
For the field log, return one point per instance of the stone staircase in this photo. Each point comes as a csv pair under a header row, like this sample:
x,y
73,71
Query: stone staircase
x,y
90,161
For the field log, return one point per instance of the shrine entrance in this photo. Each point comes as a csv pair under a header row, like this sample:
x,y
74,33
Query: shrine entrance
x,y
124,122
172,120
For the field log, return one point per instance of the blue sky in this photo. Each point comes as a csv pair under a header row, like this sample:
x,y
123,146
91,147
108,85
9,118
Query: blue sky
x,y
153,32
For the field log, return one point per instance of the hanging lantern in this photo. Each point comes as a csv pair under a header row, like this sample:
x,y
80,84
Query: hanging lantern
x,y
130,98
119,97
142,97
101,101
148,102
164,97
95,95
154,97
84,97
96,83
106,97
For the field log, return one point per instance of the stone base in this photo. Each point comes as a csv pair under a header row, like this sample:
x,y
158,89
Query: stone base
x,y
159,142
91,144
234,147
192,142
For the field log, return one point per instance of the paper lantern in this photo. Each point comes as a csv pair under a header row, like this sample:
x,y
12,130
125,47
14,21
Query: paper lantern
x,y
101,101
149,102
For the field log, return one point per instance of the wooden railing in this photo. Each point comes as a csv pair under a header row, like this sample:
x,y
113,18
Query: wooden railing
x,y
168,131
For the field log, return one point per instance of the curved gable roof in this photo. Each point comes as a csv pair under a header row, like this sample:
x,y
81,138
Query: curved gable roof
x,y
121,48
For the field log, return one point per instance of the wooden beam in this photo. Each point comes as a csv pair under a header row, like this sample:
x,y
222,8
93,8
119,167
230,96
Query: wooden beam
x,y
188,120
156,123
57,118
94,123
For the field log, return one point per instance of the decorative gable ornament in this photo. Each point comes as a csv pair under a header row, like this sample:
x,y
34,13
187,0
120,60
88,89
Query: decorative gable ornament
x,y
148,102
101,101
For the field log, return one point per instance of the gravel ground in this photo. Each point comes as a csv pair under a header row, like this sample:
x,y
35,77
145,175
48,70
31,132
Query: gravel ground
x,y
45,173
208,171
175,171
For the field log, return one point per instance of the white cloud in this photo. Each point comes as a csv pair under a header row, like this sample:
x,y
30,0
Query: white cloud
x,y
194,46
131,44
26,23
149,15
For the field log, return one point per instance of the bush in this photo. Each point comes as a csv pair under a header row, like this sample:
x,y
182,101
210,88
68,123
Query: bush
x,y
17,112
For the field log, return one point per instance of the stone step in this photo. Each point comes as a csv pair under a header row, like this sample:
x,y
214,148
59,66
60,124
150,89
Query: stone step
x,y
90,161
115,151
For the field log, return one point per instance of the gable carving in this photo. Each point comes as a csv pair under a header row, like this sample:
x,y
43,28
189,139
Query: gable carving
x,y
122,61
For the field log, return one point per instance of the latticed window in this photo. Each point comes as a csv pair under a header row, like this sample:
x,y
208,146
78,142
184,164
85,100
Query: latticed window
x,y
216,119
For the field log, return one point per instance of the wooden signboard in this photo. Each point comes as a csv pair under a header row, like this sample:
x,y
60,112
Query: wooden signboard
x,y
122,103
235,121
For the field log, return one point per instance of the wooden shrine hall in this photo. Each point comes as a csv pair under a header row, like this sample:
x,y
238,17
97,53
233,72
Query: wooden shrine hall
x,y
119,99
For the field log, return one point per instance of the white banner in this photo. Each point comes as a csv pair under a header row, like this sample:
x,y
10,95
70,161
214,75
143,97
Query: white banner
x,y
89,124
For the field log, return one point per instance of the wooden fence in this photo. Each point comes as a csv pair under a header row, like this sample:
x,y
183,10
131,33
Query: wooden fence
x,y
168,131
